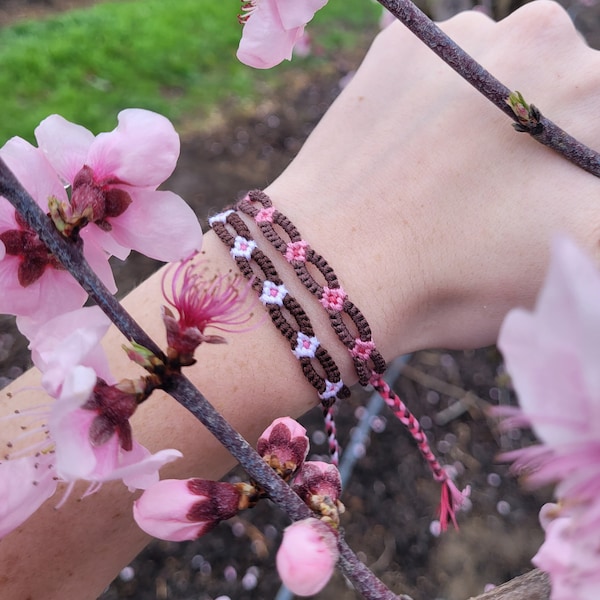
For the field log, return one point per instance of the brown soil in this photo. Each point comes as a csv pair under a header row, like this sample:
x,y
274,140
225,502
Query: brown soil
x,y
390,499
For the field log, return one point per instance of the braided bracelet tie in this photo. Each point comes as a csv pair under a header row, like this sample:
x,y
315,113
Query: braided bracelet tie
x,y
368,362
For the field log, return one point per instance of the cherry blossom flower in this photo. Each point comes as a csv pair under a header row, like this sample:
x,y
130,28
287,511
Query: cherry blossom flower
x,y
552,357
177,510
307,556
93,437
272,28
34,284
283,446
113,179
84,433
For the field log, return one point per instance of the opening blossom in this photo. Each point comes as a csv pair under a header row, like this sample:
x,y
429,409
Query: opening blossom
x,y
272,28
113,179
552,355
177,510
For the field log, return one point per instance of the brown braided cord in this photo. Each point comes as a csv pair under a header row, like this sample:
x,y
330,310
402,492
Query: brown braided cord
x,y
367,359
221,225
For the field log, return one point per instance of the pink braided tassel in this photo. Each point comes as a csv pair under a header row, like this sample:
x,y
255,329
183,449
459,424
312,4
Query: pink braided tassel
x,y
331,430
451,497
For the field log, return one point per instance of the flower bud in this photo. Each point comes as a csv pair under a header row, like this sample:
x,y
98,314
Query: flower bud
x,y
283,446
320,486
177,510
307,556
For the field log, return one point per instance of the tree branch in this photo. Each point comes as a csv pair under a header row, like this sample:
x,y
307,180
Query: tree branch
x,y
178,386
534,585
543,130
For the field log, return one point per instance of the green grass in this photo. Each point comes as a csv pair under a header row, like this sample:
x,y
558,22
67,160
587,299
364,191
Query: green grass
x,y
174,57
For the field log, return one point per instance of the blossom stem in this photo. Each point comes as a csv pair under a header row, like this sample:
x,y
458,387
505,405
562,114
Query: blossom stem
x,y
546,132
178,386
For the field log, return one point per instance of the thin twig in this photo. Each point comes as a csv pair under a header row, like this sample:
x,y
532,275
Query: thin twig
x,y
544,131
178,386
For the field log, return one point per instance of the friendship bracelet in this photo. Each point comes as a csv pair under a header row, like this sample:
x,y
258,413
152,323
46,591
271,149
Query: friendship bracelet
x,y
368,362
274,295
367,359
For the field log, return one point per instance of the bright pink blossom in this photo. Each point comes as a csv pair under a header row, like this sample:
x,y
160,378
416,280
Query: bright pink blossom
x,y
307,556
178,510
219,302
272,28
113,178
33,282
552,355
283,446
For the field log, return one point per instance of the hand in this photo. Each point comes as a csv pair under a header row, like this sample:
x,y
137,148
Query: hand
x,y
445,213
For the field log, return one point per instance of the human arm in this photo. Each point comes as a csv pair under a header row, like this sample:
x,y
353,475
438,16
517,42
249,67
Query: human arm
x,y
428,206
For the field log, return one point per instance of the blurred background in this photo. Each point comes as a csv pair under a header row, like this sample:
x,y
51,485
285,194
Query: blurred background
x,y
87,60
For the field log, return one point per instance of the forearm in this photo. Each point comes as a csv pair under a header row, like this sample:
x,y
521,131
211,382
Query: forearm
x,y
252,379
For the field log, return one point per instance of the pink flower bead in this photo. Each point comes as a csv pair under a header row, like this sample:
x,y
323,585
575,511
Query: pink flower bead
x,y
296,251
333,298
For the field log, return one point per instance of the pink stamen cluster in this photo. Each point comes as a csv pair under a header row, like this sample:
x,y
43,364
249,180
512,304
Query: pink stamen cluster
x,y
219,302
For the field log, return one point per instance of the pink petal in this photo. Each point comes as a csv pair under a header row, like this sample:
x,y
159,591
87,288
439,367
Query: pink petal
x,y
552,354
139,468
100,246
98,258
53,293
297,14
70,425
7,214
19,496
158,224
141,151
65,145
67,340
265,41
35,173
294,428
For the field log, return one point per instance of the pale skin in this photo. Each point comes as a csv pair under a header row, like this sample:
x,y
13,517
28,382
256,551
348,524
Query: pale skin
x,y
437,218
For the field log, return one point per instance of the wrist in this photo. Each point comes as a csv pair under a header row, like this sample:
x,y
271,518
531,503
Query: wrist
x,y
378,266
